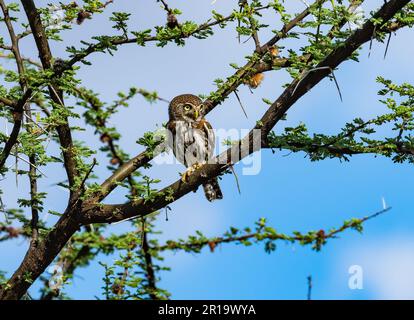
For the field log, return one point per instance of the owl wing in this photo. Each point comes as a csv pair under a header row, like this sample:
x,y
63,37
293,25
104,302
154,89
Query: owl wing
x,y
171,134
210,138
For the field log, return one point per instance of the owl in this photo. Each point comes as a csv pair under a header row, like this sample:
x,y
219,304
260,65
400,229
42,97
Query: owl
x,y
192,138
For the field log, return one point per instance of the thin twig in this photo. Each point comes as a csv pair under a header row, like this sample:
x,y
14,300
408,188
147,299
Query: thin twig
x,y
184,245
94,162
28,162
165,5
28,60
236,178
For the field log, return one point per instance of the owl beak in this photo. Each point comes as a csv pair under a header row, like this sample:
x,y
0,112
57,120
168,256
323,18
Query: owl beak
x,y
196,114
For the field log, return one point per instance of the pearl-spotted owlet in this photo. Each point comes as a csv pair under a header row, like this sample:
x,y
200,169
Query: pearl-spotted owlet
x,y
192,138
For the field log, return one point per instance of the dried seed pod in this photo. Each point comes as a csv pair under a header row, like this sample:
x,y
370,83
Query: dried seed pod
x,y
117,289
172,21
114,161
13,232
212,245
255,80
321,234
105,137
274,51
82,15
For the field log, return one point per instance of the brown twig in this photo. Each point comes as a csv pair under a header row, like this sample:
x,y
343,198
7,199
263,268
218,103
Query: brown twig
x,y
321,236
27,60
29,31
148,264
117,42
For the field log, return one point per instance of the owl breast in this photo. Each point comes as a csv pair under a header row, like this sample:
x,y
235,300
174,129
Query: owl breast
x,y
190,143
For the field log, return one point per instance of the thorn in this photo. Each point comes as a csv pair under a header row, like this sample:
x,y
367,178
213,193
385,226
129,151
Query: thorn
x,y
384,204
241,105
120,221
28,162
388,44
315,69
337,85
245,41
166,212
372,38
38,125
94,162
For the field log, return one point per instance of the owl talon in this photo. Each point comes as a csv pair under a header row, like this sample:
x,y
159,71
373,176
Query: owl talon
x,y
197,166
186,175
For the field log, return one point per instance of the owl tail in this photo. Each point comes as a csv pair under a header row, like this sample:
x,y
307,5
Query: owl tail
x,y
212,190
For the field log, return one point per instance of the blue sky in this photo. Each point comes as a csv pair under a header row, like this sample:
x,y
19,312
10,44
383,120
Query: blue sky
x,y
291,192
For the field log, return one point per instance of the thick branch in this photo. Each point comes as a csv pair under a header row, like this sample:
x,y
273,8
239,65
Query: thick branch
x,y
38,258
45,55
225,90
149,270
299,87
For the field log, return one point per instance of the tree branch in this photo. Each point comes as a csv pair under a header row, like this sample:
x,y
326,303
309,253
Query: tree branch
x,y
225,90
45,55
36,260
122,40
315,238
118,212
17,107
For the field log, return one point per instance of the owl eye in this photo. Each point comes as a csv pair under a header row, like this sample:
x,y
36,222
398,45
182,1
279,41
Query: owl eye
x,y
187,107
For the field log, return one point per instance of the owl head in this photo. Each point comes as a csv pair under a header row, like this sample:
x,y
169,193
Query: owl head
x,y
186,107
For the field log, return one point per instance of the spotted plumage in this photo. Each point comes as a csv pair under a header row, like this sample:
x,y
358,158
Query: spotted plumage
x,y
192,137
